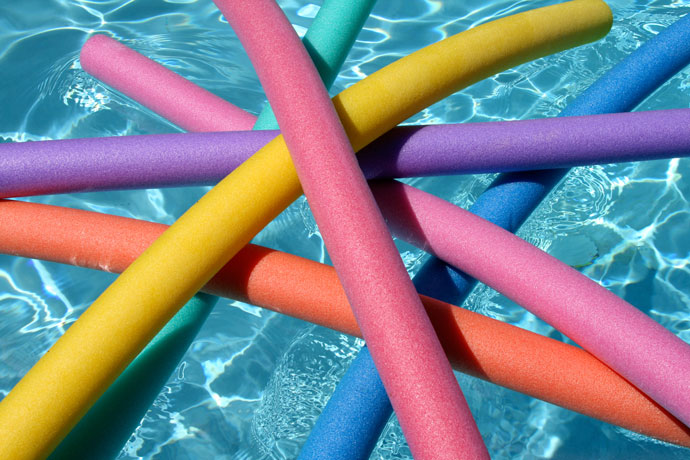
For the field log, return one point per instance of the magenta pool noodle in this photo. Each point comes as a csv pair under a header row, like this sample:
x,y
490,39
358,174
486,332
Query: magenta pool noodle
x,y
76,165
416,373
187,105
632,344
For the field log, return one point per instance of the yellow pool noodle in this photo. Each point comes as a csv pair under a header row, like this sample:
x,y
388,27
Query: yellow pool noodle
x,y
59,389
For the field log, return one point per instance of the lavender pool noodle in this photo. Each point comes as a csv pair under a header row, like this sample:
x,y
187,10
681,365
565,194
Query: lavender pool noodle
x,y
508,202
75,165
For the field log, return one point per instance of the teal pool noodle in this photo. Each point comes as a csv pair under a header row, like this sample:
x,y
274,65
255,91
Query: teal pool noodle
x,y
328,41
356,413
106,427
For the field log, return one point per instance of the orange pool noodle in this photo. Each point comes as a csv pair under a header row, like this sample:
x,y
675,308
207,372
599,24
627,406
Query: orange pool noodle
x,y
475,344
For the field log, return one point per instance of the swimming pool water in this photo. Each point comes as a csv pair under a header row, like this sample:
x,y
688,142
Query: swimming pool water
x,y
253,382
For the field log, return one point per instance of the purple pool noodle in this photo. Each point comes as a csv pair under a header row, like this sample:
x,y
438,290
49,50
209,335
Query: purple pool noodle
x,y
475,148
77,165
126,162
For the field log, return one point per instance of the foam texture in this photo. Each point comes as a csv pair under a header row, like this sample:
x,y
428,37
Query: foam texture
x,y
187,105
341,23
100,344
431,409
475,344
78,165
631,343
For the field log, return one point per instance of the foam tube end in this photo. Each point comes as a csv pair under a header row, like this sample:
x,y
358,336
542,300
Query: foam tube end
x,y
171,96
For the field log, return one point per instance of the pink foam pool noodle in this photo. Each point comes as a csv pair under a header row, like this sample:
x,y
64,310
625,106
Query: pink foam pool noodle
x,y
631,343
418,378
187,105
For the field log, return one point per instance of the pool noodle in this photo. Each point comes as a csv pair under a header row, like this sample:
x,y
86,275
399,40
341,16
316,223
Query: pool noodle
x,y
77,374
327,63
212,113
79,165
354,417
432,411
477,345
266,120
108,425
359,392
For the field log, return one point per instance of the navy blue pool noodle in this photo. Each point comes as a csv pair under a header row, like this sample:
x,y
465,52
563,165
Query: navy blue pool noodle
x,y
356,413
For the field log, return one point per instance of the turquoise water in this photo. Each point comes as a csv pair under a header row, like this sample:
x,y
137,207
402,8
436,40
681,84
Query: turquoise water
x,y
253,382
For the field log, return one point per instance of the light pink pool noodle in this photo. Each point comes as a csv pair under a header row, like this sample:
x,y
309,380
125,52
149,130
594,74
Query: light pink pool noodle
x,y
432,412
171,96
631,343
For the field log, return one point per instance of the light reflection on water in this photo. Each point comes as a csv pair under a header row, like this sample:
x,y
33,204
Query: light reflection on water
x,y
254,381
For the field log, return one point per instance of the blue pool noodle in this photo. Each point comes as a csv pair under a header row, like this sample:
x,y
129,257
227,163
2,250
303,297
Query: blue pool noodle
x,y
358,410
